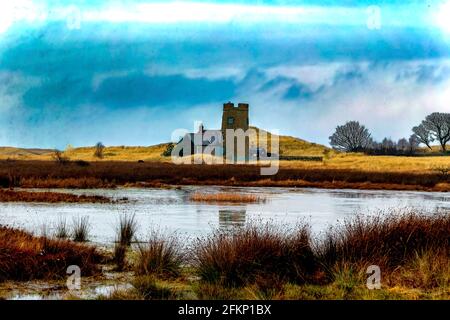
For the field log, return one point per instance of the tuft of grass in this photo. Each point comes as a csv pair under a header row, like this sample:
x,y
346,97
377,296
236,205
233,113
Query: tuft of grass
x,y
81,229
241,257
125,234
160,257
127,229
62,230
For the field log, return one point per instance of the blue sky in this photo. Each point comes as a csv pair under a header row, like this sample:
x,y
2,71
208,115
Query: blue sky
x,y
130,72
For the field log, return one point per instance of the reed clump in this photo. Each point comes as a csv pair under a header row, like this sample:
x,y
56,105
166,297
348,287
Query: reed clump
x,y
125,234
227,197
81,229
160,256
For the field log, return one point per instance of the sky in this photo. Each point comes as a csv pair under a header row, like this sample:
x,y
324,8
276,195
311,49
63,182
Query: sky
x,y
129,72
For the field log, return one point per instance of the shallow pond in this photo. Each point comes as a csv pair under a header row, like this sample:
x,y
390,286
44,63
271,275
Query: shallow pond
x,y
171,210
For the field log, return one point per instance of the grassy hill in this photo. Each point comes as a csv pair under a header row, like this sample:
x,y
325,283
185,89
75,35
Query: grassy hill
x,y
289,146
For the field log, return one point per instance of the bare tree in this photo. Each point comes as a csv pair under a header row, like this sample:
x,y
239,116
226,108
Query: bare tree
x,y
439,125
351,137
423,135
99,147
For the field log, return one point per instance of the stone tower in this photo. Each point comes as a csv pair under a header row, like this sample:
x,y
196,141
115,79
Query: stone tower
x,y
236,118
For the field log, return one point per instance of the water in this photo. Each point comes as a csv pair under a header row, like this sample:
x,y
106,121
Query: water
x,y
170,210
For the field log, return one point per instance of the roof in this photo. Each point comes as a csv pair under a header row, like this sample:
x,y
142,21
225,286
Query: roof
x,y
214,137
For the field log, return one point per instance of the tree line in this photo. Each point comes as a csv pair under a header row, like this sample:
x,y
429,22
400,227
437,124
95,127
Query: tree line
x,y
355,137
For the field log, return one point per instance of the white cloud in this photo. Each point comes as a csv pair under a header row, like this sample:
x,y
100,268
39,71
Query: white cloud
x,y
194,12
20,10
12,87
387,104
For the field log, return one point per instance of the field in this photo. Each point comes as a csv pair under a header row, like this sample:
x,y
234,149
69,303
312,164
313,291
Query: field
x,y
146,166
411,251
109,174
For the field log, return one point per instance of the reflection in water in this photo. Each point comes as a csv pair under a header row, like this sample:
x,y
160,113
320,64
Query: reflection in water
x,y
171,209
231,218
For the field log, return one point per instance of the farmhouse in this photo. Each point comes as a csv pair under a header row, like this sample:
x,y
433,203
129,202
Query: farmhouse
x,y
214,141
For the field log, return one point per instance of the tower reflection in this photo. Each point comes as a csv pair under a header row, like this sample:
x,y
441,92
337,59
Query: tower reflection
x,y
232,218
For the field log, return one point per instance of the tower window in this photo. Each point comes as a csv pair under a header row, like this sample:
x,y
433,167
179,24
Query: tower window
x,y
230,120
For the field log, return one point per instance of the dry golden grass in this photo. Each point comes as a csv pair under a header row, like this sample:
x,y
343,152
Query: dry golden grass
x,y
227,197
368,163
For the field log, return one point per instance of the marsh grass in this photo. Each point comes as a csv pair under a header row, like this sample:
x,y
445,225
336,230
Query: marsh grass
x,y
242,256
386,240
214,291
119,256
25,257
150,288
61,229
160,256
343,171
81,229
127,229
49,197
